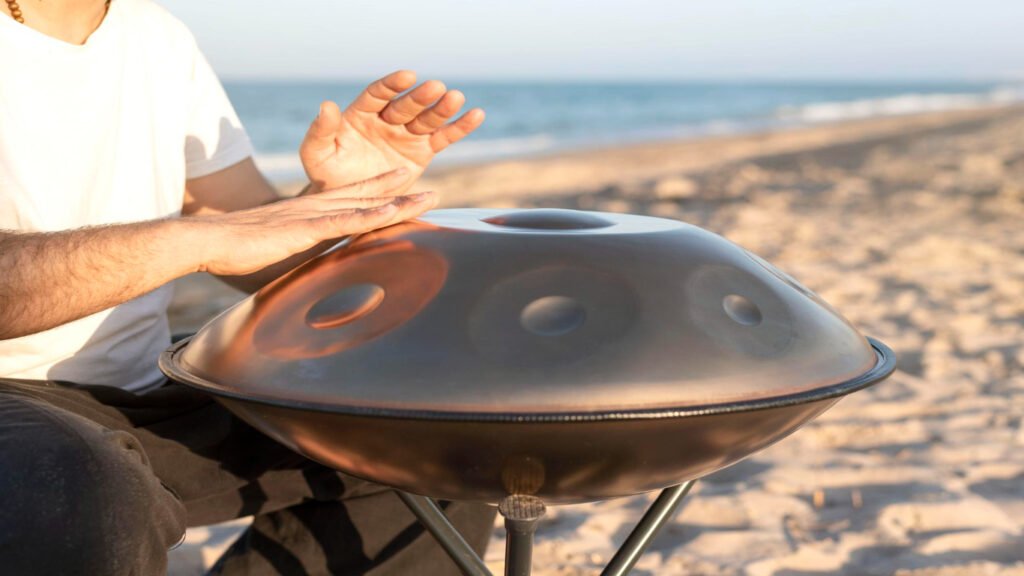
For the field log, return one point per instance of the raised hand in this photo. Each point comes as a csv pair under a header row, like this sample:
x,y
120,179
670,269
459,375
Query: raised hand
x,y
384,129
245,241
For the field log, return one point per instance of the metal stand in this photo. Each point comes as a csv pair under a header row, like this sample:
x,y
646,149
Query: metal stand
x,y
521,514
433,518
663,509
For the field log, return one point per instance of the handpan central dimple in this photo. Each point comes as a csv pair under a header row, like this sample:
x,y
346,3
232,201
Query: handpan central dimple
x,y
549,220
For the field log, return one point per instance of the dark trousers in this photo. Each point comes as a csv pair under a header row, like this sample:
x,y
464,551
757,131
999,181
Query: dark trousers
x,y
99,481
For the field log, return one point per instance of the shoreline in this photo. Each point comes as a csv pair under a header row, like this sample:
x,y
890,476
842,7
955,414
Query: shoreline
x,y
642,160
593,115
637,162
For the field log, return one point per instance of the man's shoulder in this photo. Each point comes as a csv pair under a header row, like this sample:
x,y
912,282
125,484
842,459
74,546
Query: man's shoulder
x,y
153,21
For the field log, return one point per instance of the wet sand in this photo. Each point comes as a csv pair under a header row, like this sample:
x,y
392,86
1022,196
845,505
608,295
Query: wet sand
x,y
913,228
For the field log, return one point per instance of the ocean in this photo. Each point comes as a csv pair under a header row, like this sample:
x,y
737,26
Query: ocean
x,y
531,118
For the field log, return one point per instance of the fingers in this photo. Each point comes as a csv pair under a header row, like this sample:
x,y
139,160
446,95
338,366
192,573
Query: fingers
x,y
361,203
344,222
434,117
452,133
364,220
313,207
326,123
423,110
379,185
380,93
405,108
412,205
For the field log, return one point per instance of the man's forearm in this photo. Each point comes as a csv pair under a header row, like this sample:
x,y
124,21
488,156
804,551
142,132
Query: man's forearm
x,y
48,279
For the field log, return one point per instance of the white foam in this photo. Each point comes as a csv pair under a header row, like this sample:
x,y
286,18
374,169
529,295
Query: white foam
x,y
286,167
477,150
903,104
288,161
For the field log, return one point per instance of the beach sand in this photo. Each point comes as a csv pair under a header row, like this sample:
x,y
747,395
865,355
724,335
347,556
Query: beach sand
x,y
912,227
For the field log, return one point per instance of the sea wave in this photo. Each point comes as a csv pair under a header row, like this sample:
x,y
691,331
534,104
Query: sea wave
x,y
912,103
277,162
283,167
490,149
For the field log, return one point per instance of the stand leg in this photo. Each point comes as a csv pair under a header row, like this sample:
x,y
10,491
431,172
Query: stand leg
x,y
433,518
656,516
521,516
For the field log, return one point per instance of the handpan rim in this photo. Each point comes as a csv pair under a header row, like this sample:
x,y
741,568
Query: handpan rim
x,y
885,364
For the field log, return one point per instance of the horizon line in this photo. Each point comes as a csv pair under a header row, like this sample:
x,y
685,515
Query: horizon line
x,y
827,80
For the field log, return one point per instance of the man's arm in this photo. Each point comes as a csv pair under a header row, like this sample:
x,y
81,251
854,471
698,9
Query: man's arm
x,y
52,278
387,126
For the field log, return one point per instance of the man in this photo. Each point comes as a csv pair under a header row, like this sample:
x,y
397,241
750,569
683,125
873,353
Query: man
x,y
123,167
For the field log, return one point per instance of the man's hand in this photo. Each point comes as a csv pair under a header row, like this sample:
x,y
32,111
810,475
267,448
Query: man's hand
x,y
384,129
52,278
247,241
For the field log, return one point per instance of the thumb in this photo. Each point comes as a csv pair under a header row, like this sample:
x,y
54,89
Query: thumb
x,y
326,123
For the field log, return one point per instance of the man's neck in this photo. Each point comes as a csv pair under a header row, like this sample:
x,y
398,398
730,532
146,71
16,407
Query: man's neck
x,y
72,21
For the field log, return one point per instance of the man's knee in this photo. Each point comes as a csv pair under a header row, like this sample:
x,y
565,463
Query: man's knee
x,y
76,498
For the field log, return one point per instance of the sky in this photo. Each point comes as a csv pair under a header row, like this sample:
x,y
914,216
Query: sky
x,y
608,40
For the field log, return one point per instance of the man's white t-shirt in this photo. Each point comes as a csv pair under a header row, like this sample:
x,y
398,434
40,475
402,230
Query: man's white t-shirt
x,y
102,133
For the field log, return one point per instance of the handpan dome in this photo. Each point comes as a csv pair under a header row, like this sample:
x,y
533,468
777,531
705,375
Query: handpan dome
x,y
529,313
570,356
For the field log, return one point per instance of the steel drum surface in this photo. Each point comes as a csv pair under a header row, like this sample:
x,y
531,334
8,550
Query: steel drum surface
x,y
572,355
560,462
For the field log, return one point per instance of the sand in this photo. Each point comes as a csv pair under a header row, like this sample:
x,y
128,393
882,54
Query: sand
x,y
913,227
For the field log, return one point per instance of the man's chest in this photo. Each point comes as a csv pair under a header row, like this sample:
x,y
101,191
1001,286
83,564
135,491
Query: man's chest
x,y
88,143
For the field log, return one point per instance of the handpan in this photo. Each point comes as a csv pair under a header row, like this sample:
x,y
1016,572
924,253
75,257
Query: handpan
x,y
573,356
563,355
